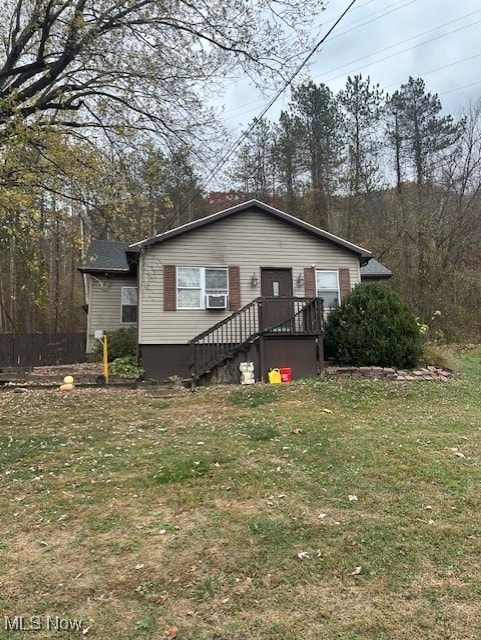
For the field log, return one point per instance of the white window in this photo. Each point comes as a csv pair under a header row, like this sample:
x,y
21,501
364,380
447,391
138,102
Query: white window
x,y
327,288
194,283
128,304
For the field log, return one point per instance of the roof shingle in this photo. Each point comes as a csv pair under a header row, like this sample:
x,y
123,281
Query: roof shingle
x,y
374,269
106,255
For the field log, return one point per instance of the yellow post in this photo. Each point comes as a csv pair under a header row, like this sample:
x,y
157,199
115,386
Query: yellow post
x,y
105,357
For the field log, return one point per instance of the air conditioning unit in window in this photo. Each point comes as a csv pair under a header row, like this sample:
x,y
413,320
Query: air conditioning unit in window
x,y
216,301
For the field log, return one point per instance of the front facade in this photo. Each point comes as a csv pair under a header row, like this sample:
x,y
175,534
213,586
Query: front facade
x,y
204,274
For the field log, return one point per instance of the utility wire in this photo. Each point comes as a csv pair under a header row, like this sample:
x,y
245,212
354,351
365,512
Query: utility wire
x,y
466,86
373,17
393,55
445,66
232,81
274,99
341,33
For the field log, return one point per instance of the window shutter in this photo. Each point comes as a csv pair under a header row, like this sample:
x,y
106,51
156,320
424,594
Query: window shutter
x,y
310,282
170,288
344,282
234,288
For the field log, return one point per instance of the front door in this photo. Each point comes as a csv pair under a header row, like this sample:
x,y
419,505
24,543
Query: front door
x,y
276,287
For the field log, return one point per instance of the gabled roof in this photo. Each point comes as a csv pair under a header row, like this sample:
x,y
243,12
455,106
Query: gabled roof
x,y
247,207
374,270
106,256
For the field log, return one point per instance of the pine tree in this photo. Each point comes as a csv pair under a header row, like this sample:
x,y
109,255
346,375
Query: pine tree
x,y
362,104
319,119
421,135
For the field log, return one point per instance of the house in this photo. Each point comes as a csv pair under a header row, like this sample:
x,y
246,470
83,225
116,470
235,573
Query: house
x,y
242,284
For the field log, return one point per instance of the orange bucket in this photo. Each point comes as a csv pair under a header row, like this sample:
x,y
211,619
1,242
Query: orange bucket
x,y
286,374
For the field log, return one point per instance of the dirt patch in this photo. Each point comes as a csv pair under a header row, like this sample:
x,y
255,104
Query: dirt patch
x,y
78,370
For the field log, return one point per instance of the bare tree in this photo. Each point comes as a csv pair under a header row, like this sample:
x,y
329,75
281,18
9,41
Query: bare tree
x,y
136,64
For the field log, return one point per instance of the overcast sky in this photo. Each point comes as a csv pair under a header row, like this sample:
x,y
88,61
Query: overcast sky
x,y
389,40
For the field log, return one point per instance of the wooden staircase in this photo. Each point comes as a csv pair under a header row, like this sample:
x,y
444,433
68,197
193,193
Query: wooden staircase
x,y
236,334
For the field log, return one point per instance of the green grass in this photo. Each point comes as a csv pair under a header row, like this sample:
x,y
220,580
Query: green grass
x,y
322,509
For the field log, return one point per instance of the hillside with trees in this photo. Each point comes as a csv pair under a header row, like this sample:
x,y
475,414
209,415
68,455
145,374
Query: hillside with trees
x,y
105,134
103,119
392,173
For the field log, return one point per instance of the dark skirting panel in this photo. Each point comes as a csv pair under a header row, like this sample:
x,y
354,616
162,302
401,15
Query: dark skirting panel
x,y
302,354
299,354
160,361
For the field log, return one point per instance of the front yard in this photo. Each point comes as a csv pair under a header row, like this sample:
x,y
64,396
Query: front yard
x,y
319,510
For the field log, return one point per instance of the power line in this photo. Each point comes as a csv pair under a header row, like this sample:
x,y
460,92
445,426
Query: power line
x,y
288,82
401,42
403,4
445,66
331,20
466,86
400,52
372,19
330,79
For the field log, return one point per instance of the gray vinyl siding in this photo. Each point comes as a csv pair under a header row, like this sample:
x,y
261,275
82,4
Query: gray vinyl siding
x,y
104,305
250,241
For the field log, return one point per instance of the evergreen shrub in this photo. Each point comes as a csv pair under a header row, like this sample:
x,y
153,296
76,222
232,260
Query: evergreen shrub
x,y
373,326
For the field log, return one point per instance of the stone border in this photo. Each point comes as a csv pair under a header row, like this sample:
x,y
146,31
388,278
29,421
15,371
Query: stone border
x,y
390,373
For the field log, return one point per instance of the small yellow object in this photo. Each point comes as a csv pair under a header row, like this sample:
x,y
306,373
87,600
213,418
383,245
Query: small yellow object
x,y
66,387
68,380
274,376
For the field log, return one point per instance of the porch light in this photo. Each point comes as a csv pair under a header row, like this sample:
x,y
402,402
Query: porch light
x,y
300,280
254,280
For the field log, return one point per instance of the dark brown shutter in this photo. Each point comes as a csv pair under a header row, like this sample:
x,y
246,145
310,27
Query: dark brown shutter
x,y
344,282
170,288
234,288
310,282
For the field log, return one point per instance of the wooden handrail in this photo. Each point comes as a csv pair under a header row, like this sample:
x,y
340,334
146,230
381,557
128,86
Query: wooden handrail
x,y
242,328
225,320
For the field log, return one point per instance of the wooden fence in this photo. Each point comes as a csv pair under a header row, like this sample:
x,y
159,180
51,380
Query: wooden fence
x,y
41,349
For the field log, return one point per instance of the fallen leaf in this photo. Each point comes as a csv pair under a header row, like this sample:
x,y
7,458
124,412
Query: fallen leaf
x,y
171,633
296,431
